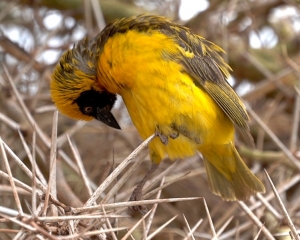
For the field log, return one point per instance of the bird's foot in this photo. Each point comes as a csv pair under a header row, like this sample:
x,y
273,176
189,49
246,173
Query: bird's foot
x,y
164,138
174,134
137,196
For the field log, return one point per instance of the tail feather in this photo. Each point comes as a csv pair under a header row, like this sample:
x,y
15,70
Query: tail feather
x,y
228,175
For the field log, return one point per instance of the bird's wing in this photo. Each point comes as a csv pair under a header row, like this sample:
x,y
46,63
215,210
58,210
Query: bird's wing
x,y
201,60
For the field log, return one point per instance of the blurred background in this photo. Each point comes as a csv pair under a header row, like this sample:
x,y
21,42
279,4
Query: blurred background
x,y
262,42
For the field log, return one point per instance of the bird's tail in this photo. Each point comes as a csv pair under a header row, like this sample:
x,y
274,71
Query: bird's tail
x,y
228,175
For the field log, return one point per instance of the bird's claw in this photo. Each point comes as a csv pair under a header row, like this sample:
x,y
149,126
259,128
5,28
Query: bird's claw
x,y
137,196
165,138
174,134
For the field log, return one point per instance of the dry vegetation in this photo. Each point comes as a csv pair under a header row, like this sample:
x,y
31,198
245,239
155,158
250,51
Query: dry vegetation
x,y
61,179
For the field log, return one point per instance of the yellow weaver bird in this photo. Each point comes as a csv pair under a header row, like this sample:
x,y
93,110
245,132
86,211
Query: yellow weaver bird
x,y
173,83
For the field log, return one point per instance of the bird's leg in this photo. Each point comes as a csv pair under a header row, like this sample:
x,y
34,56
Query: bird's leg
x,y
138,191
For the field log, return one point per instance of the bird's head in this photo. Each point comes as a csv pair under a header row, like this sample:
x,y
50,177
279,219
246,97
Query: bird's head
x,y
75,89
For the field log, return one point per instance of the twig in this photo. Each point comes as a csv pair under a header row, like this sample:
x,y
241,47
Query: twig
x,y
136,225
12,183
151,216
224,226
211,224
69,133
51,189
98,14
11,123
18,222
296,114
138,152
122,180
25,110
269,207
17,182
91,233
256,220
30,157
283,210
160,228
165,185
34,167
80,167
191,232
131,203
276,140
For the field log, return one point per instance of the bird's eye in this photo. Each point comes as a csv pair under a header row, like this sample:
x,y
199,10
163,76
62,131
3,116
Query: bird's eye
x,y
88,110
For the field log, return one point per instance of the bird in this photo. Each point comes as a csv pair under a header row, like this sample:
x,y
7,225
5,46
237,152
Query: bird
x,y
174,84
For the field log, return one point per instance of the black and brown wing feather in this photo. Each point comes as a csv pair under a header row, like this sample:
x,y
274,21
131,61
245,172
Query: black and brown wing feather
x,y
202,60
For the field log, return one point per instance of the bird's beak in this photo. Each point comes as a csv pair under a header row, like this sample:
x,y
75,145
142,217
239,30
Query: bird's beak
x,y
104,115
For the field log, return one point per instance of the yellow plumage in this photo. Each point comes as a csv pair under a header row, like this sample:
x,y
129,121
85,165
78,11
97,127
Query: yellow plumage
x,y
173,83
